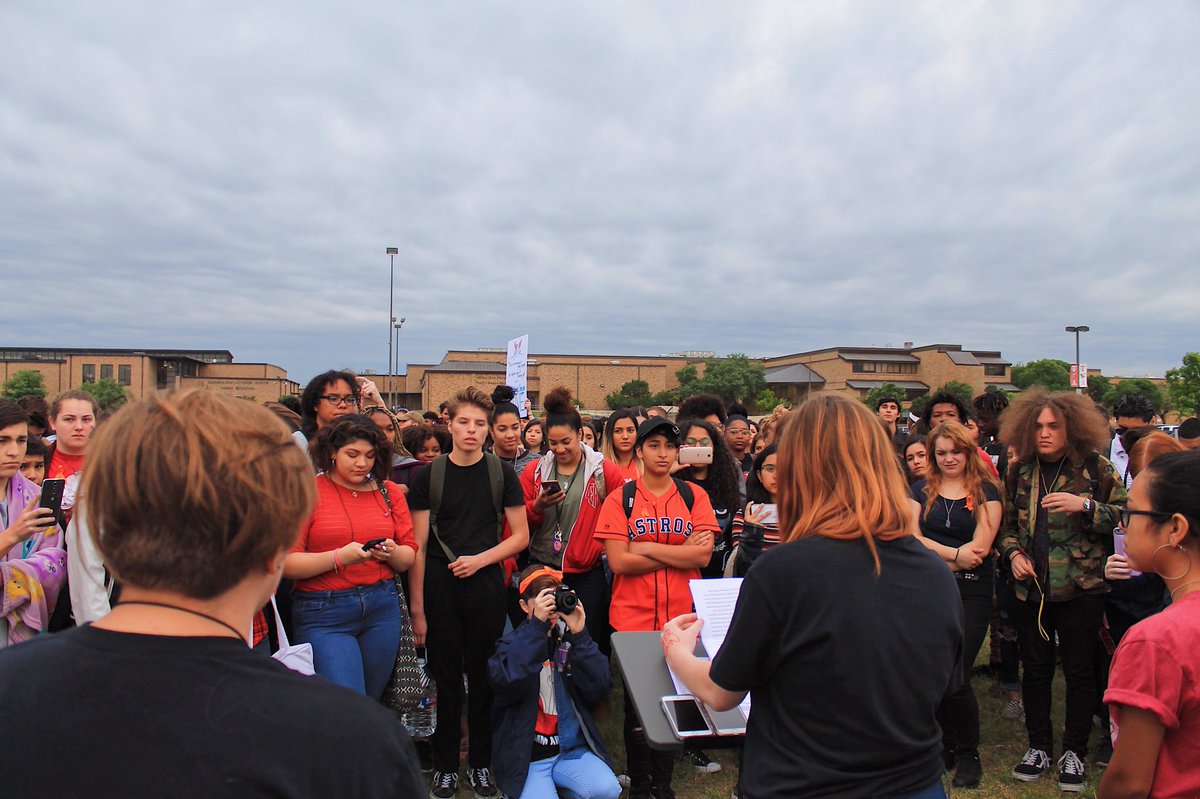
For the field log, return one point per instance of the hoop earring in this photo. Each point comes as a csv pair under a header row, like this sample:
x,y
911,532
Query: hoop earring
x,y
1181,549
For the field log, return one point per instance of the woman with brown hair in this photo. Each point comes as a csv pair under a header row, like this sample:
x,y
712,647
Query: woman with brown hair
x,y
619,443
847,636
193,501
345,602
955,513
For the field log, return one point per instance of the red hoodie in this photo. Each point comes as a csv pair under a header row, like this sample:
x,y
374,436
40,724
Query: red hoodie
x,y
583,550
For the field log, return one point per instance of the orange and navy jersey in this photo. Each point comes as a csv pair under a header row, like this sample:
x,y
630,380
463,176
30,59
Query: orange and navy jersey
x,y
643,602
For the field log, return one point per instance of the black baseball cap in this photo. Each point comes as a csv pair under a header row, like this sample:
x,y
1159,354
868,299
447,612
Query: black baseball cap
x,y
657,426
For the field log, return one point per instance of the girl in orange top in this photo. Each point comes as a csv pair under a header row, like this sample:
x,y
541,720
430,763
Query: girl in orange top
x,y
620,436
345,601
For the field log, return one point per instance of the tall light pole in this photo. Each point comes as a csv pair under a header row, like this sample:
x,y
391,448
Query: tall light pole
x,y
391,252
396,369
1079,378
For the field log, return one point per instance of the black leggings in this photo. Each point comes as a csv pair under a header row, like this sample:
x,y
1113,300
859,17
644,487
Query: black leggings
x,y
959,711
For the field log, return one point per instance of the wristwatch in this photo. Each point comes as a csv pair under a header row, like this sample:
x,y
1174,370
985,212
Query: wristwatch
x,y
1088,504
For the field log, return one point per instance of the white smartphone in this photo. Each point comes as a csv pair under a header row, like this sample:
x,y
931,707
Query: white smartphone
x,y
686,718
770,513
695,455
727,722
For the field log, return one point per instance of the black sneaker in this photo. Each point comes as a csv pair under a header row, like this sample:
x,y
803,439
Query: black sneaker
x,y
1035,763
969,771
481,783
1070,772
445,785
701,762
1104,752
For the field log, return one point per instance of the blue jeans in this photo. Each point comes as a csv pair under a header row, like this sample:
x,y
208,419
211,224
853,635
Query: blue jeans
x,y
354,633
575,776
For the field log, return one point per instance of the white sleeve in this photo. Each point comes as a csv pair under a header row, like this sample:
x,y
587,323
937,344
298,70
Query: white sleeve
x,y
85,573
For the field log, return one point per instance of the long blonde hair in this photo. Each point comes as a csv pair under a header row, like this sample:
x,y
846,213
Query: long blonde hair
x,y
974,473
839,476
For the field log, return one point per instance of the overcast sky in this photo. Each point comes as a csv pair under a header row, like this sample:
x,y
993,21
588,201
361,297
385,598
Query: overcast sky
x,y
617,178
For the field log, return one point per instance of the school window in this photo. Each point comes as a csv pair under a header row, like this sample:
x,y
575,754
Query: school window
x,y
125,374
106,371
993,369
864,366
89,373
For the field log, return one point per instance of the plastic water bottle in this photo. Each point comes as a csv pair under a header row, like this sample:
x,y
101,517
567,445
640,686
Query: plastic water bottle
x,y
422,720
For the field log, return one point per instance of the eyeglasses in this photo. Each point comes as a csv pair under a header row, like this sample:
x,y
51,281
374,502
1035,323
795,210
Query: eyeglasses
x,y
738,431
1127,515
769,468
698,442
335,399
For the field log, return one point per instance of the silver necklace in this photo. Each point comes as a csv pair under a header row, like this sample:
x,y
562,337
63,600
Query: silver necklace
x,y
949,509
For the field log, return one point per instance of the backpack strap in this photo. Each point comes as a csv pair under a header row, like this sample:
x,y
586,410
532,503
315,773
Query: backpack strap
x,y
628,496
495,469
437,484
685,491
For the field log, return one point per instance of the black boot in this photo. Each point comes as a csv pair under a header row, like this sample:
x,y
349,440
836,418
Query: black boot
x,y
970,770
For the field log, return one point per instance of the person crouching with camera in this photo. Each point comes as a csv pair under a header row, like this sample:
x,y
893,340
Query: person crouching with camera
x,y
547,675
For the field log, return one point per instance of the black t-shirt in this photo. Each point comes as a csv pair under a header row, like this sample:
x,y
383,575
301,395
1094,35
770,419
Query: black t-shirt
x,y
949,522
845,668
467,518
92,712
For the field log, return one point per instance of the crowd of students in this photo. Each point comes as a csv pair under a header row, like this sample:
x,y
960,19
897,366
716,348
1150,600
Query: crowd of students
x,y
876,558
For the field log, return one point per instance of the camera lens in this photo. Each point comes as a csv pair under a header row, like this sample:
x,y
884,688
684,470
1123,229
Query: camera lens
x,y
565,600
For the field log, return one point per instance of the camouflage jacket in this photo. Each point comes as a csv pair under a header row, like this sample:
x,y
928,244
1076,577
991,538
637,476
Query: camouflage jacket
x,y
1077,540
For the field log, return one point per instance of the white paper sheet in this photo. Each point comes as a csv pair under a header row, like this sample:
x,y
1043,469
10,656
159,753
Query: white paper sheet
x,y
715,601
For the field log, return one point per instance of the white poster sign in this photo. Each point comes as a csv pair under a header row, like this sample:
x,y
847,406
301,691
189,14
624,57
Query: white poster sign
x,y
517,372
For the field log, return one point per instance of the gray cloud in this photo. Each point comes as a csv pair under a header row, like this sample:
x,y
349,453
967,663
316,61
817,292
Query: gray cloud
x,y
618,177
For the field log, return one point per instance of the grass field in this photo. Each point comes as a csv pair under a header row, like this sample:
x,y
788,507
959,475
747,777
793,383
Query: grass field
x,y
1002,744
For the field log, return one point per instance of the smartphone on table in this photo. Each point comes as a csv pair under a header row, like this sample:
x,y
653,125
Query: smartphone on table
x,y
686,718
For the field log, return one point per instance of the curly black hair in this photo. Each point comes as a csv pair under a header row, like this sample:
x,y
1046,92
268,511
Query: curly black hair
x,y
345,430
312,395
1133,405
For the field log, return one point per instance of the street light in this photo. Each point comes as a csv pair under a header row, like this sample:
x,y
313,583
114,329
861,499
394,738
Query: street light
x,y
391,253
396,370
1079,378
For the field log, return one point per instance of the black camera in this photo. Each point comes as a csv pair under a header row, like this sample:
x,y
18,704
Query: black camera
x,y
565,600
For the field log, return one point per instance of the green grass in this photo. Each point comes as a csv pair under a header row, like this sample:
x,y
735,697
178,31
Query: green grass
x,y
1002,743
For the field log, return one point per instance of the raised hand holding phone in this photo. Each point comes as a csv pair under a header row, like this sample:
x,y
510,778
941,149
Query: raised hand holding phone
x,y
29,522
